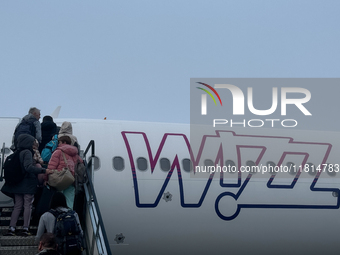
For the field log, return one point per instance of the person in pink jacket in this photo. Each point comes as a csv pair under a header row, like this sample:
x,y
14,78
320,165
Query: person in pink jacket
x,y
57,162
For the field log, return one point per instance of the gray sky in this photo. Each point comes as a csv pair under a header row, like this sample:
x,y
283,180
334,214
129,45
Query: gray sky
x,y
133,60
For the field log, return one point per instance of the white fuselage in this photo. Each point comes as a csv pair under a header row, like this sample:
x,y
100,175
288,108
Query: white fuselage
x,y
148,194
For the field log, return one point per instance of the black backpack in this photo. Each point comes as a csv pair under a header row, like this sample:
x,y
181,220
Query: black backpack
x,y
13,171
67,232
25,127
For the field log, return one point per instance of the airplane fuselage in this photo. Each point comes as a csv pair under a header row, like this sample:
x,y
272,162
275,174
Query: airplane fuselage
x,y
162,193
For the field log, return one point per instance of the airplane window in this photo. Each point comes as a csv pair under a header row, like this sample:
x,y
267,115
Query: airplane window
x,y
332,169
165,164
310,168
208,162
231,166
142,164
292,168
118,163
187,165
251,165
81,153
96,161
271,167
6,150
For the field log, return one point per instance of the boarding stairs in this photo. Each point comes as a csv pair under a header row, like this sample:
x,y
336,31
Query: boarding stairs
x,y
96,242
15,245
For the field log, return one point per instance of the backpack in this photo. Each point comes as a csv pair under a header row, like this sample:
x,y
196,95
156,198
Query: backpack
x,y
67,232
50,147
25,127
13,171
80,171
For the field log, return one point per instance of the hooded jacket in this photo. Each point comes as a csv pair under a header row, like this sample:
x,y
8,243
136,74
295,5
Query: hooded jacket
x,y
48,130
57,160
66,130
30,118
29,184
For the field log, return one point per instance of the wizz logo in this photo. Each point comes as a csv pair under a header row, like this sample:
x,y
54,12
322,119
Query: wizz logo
x,y
236,195
204,97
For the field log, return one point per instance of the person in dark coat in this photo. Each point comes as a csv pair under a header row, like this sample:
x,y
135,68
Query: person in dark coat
x,y
28,125
48,130
23,192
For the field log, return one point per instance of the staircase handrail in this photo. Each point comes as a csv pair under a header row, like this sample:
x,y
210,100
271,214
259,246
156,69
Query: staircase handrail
x,y
2,162
91,200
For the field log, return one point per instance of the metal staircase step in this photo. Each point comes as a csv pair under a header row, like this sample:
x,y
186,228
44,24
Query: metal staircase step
x,y
6,211
17,240
15,245
4,221
19,250
3,229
